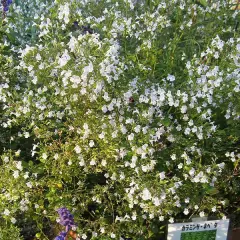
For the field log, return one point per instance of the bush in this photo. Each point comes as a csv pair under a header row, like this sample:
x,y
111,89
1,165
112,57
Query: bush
x,y
125,112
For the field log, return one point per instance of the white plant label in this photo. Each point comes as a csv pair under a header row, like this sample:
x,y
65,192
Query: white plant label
x,y
202,230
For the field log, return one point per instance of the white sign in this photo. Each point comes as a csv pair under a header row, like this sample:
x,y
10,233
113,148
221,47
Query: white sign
x,y
209,230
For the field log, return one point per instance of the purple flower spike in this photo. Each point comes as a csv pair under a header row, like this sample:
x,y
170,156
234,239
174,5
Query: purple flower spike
x,y
61,236
66,218
5,4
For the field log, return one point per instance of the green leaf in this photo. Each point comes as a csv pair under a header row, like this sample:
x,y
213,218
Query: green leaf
x,y
212,191
42,160
203,2
166,122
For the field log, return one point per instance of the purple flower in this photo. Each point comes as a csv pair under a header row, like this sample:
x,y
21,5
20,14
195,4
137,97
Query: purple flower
x,y
66,218
61,236
6,4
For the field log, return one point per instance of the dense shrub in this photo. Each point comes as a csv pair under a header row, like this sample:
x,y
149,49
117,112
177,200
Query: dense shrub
x,y
125,112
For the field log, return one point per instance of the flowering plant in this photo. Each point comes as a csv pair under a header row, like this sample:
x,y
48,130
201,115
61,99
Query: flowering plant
x,y
126,112
66,219
5,5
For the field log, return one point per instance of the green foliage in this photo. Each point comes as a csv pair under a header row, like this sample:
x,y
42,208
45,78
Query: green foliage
x,y
7,231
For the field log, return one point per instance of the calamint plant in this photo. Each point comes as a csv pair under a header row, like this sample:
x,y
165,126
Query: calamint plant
x,y
126,112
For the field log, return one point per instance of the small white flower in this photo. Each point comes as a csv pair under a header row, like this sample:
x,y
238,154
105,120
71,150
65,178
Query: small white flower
x,y
38,57
187,131
17,153
180,165
192,172
144,168
82,163
131,137
186,211
151,216
77,149
104,162
19,166
6,212
84,236
184,109
134,216
101,135
202,214
26,135
113,235
238,47
13,220
91,143
137,129
6,159
29,184
92,162
74,228
156,201
44,156
171,220
146,195
62,61
26,175
214,209
16,174
161,218
188,65
162,175
171,78
104,109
